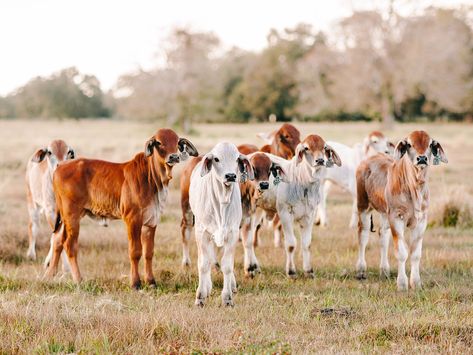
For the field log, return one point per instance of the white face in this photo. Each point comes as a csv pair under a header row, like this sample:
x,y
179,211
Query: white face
x,y
379,145
223,162
54,157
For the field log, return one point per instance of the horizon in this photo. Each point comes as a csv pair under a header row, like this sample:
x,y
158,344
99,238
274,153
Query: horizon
x,y
112,49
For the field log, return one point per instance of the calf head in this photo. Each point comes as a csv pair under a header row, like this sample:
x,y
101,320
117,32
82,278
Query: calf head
x,y
226,164
263,169
286,139
316,153
376,142
56,152
421,149
168,149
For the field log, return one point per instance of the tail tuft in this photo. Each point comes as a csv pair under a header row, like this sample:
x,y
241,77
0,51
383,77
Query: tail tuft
x,y
58,222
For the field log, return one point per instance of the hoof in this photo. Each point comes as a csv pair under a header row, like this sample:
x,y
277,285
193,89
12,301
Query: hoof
x,y
292,274
385,274
136,285
252,270
151,283
227,301
402,285
309,274
416,285
199,302
31,255
361,275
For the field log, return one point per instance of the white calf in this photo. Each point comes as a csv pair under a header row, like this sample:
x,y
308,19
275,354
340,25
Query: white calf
x,y
298,196
215,200
39,190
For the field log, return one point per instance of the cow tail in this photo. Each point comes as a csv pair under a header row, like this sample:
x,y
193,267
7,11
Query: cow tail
x,y
58,223
372,224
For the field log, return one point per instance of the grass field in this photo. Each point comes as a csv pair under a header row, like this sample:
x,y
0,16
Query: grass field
x,y
332,313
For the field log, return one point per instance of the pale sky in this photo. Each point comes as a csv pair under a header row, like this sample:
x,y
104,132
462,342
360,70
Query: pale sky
x,y
110,38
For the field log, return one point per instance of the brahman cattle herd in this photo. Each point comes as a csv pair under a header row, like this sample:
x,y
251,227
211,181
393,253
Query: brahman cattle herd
x,y
229,193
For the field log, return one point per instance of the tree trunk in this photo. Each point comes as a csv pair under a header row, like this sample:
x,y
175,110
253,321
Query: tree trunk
x,y
387,112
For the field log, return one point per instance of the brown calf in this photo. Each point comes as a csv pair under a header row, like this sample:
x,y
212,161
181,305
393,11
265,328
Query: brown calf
x,y
134,191
282,142
397,188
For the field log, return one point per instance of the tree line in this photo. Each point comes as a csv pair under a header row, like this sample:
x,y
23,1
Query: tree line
x,y
369,67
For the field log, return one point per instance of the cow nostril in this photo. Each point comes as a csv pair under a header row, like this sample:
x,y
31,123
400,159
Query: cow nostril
x,y
320,161
264,185
230,177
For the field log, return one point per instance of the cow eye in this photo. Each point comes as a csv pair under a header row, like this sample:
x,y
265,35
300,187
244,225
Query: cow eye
x,y
306,148
216,160
48,152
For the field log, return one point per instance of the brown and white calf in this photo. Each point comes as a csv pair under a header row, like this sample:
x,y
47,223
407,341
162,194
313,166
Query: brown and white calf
x,y
39,189
398,189
134,191
298,196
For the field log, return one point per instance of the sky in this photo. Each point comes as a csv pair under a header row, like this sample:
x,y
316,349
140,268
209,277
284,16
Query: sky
x,y
109,38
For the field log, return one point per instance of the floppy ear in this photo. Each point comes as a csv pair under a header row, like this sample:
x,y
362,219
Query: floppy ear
x,y
332,157
39,155
300,149
71,154
245,168
186,148
149,146
207,164
278,173
401,149
438,152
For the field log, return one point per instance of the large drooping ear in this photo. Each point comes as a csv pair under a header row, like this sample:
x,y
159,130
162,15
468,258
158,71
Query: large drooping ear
x,y
278,173
71,154
186,148
332,157
267,137
206,164
300,150
39,155
149,146
401,149
246,170
437,151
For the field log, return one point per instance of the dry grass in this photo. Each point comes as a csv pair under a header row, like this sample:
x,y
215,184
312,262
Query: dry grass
x,y
333,313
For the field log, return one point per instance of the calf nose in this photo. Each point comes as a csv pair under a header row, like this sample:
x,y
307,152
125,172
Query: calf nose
x,y
320,161
230,177
173,158
264,185
421,159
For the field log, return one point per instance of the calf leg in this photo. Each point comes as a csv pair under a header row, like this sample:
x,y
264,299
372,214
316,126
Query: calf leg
x,y
227,269
322,206
354,214
363,236
204,265
147,240
250,263
384,236
290,242
400,250
134,251
71,246
57,241
186,232
306,240
33,230
416,252
277,231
